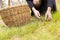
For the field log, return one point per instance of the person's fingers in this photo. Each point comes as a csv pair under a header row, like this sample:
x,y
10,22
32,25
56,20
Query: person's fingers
x,y
37,15
49,17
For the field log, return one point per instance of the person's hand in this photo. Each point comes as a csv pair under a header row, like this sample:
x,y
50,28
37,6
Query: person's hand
x,y
36,13
48,16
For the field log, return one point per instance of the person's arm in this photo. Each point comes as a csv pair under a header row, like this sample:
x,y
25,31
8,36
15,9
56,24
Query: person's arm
x,y
48,14
51,5
31,5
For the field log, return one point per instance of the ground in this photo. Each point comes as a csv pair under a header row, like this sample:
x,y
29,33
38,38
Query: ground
x,y
35,30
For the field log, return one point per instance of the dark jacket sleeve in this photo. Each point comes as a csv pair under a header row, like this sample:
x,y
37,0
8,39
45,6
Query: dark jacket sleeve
x,y
52,4
49,3
30,3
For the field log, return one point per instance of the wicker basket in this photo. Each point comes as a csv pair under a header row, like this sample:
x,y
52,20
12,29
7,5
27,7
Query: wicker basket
x,y
16,15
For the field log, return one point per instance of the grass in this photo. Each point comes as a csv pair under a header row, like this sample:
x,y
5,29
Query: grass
x,y
35,30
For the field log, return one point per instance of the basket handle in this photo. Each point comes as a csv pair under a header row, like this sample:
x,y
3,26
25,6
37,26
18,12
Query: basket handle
x,y
9,1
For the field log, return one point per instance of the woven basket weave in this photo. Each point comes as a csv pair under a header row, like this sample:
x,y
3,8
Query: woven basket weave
x,y
16,15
